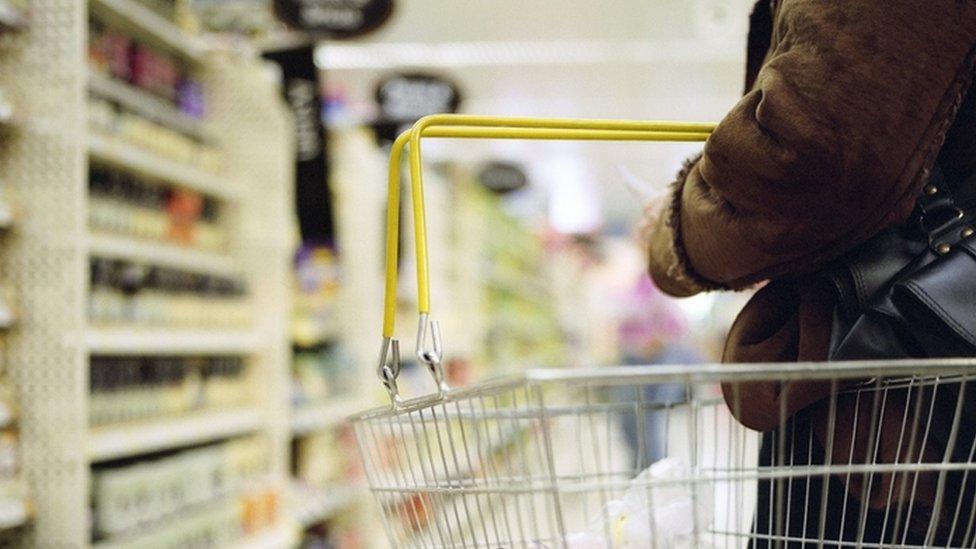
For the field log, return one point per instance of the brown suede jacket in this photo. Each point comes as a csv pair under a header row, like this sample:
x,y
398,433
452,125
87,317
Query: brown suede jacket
x,y
847,106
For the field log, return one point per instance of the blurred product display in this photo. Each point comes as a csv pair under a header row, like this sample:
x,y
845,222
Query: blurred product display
x,y
138,388
146,98
317,285
130,128
524,329
135,293
503,314
247,17
145,225
320,374
128,205
225,481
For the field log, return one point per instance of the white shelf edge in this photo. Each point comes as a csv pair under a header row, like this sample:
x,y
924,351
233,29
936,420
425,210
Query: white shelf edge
x,y
160,253
309,506
319,417
144,24
145,104
283,535
107,443
130,157
170,341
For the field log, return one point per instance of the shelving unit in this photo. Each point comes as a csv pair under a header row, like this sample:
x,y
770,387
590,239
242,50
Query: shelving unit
x,y
142,23
45,162
145,104
108,443
165,255
129,157
119,341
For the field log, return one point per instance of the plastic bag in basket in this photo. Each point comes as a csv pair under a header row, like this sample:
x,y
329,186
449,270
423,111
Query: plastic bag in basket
x,y
652,512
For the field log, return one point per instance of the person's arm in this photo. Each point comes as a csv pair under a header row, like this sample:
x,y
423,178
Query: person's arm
x,y
830,145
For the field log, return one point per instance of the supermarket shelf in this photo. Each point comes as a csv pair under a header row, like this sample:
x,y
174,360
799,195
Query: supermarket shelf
x,y
319,417
143,437
145,25
132,158
145,104
148,535
166,255
282,536
310,506
170,342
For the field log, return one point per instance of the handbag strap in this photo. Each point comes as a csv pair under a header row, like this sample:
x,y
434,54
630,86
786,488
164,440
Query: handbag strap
x,y
938,214
938,224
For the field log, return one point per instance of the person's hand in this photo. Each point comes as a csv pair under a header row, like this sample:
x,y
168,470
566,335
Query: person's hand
x,y
653,211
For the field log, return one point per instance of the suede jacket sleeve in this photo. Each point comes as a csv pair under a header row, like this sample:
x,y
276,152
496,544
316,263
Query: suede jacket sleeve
x,y
831,144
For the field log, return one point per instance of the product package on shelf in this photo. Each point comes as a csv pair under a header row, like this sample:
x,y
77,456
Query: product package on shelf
x,y
509,287
317,284
133,293
115,55
134,388
149,501
142,96
132,206
321,374
162,172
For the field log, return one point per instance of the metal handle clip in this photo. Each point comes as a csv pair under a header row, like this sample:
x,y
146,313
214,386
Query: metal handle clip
x,y
432,356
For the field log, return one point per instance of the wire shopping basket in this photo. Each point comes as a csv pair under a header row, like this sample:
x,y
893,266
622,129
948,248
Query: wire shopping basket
x,y
852,454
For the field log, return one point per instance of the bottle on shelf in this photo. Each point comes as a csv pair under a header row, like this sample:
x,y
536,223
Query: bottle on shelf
x,y
137,388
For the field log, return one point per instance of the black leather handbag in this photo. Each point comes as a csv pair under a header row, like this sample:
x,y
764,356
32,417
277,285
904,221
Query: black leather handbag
x,y
910,292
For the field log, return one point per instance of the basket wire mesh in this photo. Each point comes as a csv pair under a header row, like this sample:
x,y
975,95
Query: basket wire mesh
x,y
562,459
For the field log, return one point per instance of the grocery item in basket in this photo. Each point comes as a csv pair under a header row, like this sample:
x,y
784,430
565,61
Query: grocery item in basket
x,y
657,510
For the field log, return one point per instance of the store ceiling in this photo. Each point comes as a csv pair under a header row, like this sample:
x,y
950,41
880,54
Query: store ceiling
x,y
671,59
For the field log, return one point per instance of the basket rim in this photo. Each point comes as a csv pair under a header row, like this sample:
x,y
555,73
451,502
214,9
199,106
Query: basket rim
x,y
692,373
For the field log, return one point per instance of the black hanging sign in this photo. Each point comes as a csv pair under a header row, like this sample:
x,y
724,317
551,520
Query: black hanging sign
x,y
334,18
405,98
301,84
503,177
409,96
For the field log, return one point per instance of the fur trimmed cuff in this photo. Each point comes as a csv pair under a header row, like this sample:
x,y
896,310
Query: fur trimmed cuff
x,y
680,269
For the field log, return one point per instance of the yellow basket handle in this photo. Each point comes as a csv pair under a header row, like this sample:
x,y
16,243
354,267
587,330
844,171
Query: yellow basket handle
x,y
480,127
